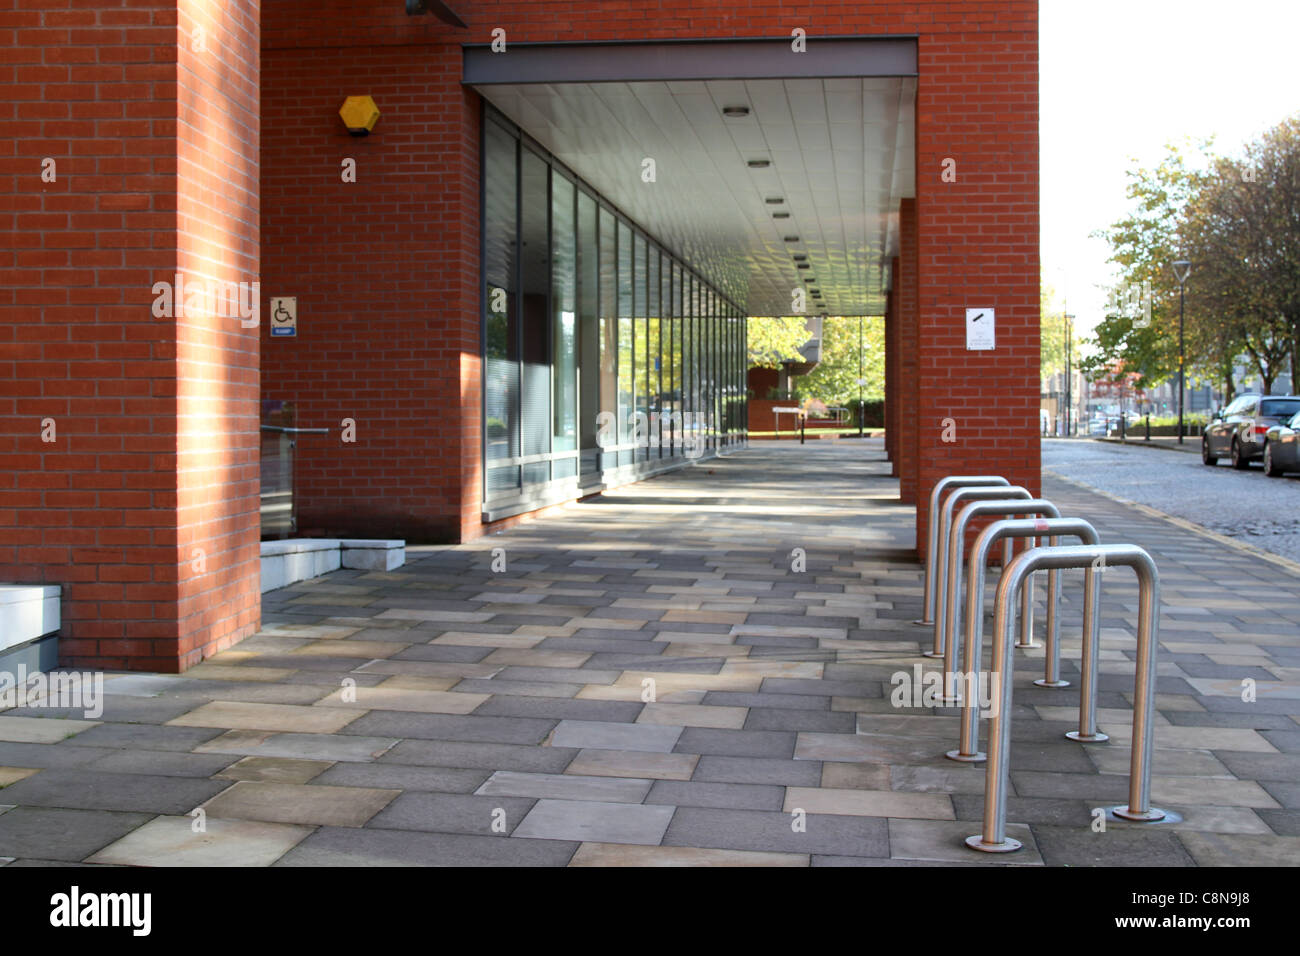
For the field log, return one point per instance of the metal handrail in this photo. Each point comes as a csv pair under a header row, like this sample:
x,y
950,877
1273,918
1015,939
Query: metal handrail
x,y
985,493
993,839
968,740
952,602
295,431
932,549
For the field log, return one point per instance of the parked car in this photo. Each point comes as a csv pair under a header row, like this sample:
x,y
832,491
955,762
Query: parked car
x,y
1282,448
1238,431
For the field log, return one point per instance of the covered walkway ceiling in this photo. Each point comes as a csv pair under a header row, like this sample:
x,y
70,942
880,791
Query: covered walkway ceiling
x,y
840,155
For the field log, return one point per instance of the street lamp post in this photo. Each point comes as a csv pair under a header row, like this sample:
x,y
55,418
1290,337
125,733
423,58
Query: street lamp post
x,y
1069,329
1181,269
862,412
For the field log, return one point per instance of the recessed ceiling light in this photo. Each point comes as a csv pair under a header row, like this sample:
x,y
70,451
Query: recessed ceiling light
x,y
774,200
780,215
810,279
800,257
791,238
735,111
758,163
803,265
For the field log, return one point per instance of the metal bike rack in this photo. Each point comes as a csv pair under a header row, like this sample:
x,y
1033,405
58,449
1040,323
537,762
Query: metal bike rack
x,y
1092,557
986,493
968,741
931,552
952,603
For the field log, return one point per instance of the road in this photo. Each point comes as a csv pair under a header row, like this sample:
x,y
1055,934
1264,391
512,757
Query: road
x,y
1248,506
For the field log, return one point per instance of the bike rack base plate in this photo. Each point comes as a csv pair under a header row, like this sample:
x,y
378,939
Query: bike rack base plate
x,y
1008,845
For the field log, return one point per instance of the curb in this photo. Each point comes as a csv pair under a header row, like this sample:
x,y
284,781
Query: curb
x,y
1146,444
1292,566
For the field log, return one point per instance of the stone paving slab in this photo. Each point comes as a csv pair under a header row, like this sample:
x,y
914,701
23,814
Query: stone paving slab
x,y
652,684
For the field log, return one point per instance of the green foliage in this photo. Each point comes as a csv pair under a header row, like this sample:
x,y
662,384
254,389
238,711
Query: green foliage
x,y
774,340
835,380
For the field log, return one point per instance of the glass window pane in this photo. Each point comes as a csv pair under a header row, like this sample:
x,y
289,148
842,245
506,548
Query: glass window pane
x,y
640,350
588,330
625,372
654,355
501,373
534,253
564,329
607,434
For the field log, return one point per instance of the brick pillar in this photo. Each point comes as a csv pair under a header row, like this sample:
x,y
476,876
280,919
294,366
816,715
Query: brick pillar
x,y
977,199
129,443
909,354
892,323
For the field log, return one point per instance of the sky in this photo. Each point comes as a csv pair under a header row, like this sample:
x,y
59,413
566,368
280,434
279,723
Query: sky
x,y
1119,80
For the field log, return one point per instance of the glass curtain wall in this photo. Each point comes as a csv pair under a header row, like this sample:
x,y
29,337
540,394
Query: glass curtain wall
x,y
605,357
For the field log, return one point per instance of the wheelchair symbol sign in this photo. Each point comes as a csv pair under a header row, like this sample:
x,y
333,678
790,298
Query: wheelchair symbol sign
x,y
284,315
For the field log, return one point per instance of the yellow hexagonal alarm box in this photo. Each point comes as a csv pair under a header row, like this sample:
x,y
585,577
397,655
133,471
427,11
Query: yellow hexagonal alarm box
x,y
360,114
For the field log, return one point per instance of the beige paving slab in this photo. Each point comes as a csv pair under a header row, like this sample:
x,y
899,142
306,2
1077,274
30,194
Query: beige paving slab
x,y
366,650
275,769
524,657
238,672
294,718
693,715
1207,791
420,614
41,730
626,692
869,803
313,632
309,804
705,617
639,764
10,775
418,682
1115,756
172,841
1220,849
623,854
666,681
856,776
431,669
400,698
943,841
1209,820
729,651
1264,690
765,667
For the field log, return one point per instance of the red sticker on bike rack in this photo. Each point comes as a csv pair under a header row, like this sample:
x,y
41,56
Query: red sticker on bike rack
x,y
1040,524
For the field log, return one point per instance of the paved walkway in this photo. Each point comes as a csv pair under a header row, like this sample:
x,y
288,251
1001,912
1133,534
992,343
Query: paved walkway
x,y
486,703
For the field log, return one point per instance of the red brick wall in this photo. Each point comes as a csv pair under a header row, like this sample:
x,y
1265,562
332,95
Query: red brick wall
x,y
101,89
396,254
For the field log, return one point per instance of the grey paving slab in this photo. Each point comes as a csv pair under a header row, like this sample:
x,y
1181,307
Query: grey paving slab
x,y
396,777
302,746
552,708
64,835
85,789
760,830
1117,846
487,729
739,796
596,822
453,813
438,753
761,770
606,735
566,787
330,846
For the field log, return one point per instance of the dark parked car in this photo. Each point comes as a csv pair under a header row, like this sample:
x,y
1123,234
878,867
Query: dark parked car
x,y
1238,431
1282,448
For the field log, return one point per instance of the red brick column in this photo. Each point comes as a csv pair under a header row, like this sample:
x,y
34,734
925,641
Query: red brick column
x,y
977,199
892,348
909,355
129,428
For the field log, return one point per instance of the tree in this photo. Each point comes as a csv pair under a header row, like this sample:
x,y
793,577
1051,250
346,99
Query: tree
x,y
835,379
772,341
1144,340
